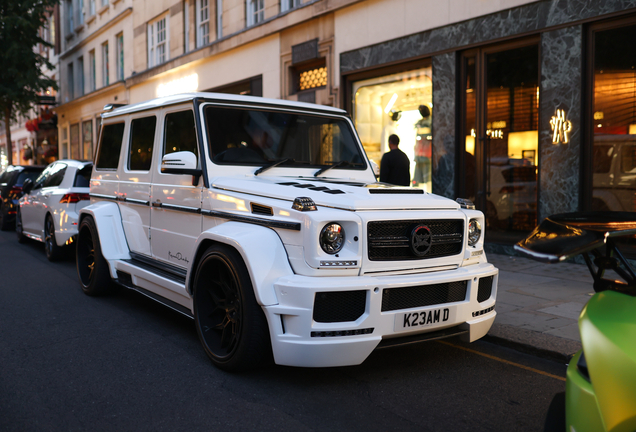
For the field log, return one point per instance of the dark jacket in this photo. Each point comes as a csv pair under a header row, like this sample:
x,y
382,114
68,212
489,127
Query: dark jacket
x,y
395,168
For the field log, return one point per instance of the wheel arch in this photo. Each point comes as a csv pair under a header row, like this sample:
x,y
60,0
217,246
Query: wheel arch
x,y
265,265
107,218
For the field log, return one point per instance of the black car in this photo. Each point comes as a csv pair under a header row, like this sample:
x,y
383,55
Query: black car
x,y
11,182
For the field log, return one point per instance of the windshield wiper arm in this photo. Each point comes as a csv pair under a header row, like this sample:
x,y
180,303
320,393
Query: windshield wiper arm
x,y
327,168
270,166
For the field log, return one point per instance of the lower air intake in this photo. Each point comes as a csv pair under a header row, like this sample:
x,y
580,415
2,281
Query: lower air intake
x,y
339,306
485,289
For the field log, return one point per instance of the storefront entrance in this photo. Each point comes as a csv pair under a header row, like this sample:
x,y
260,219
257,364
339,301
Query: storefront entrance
x,y
500,111
401,104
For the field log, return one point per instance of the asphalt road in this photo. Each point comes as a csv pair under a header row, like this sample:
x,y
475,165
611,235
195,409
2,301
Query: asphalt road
x,y
71,362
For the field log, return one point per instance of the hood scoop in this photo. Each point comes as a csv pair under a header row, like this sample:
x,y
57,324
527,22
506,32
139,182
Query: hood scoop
x,y
392,191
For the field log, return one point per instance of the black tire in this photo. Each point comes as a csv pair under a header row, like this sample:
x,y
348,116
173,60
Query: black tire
x,y
555,417
18,227
231,325
4,225
92,268
52,250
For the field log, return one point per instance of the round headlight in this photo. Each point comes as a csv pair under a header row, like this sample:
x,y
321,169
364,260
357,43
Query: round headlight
x,y
332,238
474,232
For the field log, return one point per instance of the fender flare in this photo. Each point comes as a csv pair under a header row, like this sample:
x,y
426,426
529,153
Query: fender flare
x,y
109,225
264,264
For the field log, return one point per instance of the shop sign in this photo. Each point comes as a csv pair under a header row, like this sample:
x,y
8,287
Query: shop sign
x,y
186,84
560,127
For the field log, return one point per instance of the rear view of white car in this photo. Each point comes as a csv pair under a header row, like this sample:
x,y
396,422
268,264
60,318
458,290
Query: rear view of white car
x,y
49,209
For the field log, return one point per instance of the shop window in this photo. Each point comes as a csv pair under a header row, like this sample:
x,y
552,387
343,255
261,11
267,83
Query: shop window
x,y
87,140
613,121
75,141
401,104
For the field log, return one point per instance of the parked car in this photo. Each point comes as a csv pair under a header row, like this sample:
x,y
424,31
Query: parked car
x,y
11,181
48,211
600,391
262,220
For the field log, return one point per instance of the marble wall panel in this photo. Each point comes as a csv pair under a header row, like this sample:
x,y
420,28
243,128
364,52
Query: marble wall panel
x,y
444,88
561,78
516,21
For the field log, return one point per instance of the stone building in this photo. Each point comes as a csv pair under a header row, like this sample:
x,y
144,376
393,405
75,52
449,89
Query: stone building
x,y
526,107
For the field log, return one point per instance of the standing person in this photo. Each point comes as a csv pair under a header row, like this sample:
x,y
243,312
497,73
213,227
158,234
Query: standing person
x,y
395,165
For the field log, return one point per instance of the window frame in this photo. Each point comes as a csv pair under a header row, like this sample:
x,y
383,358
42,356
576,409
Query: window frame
x,y
119,55
255,12
153,45
201,23
105,65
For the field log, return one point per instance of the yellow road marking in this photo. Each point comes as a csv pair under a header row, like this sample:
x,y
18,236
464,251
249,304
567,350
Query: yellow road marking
x,y
503,361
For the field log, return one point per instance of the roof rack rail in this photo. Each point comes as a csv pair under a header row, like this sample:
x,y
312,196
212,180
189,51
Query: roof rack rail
x,y
112,106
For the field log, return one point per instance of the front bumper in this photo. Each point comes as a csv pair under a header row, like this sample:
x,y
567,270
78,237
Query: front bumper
x,y
298,340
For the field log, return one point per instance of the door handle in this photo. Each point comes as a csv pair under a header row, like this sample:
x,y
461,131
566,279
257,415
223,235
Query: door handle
x,y
156,203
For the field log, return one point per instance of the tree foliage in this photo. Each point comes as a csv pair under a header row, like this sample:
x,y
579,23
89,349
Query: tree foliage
x,y
21,66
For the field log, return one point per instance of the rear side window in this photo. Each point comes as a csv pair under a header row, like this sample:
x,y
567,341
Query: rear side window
x,y
110,146
180,133
83,177
142,137
4,178
55,175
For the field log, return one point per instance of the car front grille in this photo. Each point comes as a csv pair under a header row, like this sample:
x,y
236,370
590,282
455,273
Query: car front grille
x,y
423,295
391,240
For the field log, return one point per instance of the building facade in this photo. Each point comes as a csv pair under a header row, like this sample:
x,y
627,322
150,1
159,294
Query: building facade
x,y
526,107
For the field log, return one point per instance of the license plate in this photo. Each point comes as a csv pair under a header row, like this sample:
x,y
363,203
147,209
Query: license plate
x,y
422,319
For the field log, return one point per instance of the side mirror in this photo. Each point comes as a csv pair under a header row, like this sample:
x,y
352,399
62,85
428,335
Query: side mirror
x,y
183,162
27,186
375,168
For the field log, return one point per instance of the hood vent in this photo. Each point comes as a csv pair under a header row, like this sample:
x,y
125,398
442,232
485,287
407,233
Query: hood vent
x,y
397,191
261,210
310,186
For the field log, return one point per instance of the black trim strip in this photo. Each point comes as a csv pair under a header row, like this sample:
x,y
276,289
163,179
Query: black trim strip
x,y
294,226
422,337
161,268
137,201
197,121
125,280
110,197
180,208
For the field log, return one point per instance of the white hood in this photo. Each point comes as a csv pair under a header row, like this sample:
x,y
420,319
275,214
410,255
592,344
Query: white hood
x,y
337,193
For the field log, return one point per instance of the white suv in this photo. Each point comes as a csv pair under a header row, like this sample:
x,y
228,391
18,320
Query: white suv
x,y
262,219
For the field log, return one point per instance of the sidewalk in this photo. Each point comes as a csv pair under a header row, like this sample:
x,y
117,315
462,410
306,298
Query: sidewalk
x,y
538,305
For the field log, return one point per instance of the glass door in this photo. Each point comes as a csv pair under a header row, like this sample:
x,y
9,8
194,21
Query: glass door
x,y
500,129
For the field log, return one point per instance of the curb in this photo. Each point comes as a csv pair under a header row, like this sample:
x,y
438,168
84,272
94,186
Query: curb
x,y
532,342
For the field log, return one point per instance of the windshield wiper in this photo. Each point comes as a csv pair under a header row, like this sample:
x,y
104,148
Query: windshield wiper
x,y
275,164
327,168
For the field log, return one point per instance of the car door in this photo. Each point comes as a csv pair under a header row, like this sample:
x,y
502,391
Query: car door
x,y
33,203
46,195
175,201
134,183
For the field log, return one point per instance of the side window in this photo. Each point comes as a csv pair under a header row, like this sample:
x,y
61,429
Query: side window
x,y
55,176
83,177
110,146
180,134
39,182
142,139
26,174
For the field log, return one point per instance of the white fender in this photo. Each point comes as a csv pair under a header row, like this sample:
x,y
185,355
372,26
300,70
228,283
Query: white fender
x,y
109,226
262,251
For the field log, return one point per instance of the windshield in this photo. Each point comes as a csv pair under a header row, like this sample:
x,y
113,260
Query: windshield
x,y
241,136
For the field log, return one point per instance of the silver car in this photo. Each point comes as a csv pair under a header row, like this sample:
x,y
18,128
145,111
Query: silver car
x,y
49,209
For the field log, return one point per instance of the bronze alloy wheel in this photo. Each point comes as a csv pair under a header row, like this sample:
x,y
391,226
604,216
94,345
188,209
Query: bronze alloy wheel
x,y
92,268
53,251
230,323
